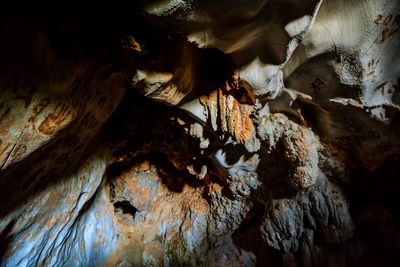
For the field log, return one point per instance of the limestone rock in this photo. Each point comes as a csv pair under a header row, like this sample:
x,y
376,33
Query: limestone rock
x,y
200,133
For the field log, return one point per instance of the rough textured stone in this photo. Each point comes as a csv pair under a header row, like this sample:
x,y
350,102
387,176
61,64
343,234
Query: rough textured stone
x,y
200,133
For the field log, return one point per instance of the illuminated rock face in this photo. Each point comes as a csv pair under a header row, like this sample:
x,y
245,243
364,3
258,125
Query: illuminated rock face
x,y
200,133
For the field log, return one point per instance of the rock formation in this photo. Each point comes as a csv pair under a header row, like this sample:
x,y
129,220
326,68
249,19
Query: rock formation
x,y
200,133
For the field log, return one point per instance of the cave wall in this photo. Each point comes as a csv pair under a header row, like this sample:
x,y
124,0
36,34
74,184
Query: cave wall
x,y
186,133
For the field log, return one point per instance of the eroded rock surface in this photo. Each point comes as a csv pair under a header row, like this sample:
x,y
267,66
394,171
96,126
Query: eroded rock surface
x,y
186,133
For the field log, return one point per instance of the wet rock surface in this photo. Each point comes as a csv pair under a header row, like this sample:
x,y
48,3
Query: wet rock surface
x,y
180,133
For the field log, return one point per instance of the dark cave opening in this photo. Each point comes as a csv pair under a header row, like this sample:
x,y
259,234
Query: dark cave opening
x,y
126,207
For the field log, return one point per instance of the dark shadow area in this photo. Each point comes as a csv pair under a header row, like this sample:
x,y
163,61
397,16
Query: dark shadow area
x,y
126,208
233,152
249,238
273,171
6,238
375,210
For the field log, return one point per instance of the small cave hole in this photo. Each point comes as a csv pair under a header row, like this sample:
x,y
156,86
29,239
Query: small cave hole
x,y
124,207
